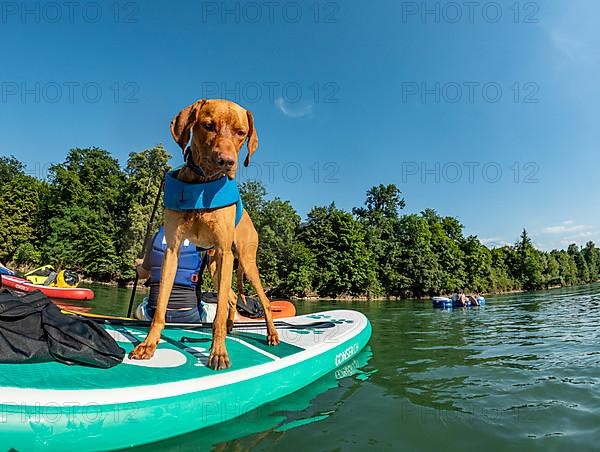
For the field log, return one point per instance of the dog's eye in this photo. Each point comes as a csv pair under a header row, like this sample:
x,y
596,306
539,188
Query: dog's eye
x,y
241,133
209,126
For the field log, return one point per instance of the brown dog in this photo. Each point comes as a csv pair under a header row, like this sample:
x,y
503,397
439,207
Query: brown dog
x,y
219,129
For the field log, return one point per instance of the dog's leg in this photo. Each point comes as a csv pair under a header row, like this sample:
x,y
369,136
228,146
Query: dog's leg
x,y
232,299
218,358
247,261
146,349
240,282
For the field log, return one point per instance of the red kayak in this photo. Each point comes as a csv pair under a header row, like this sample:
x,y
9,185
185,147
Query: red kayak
x,y
64,293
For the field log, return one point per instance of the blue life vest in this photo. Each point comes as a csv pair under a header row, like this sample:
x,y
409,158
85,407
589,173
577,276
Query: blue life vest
x,y
188,265
182,196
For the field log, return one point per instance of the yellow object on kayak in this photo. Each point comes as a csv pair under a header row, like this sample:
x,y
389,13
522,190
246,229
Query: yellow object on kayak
x,y
66,278
40,275
47,276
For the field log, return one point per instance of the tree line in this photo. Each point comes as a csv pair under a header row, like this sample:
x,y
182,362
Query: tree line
x,y
90,214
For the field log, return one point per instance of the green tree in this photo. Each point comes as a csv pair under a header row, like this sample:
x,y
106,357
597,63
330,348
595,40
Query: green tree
x,y
380,219
27,255
568,269
277,234
86,187
501,279
583,270
422,274
447,244
591,255
88,177
287,267
478,264
551,274
302,271
19,200
528,264
382,201
80,240
253,194
143,175
345,265
9,168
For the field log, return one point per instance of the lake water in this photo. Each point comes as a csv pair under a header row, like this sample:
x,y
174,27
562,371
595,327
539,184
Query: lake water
x,y
522,372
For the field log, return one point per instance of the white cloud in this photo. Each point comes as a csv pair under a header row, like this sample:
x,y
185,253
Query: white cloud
x,y
569,232
571,47
582,235
566,242
579,239
565,227
297,110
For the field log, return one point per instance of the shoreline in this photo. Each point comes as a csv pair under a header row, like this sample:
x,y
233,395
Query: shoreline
x,y
346,298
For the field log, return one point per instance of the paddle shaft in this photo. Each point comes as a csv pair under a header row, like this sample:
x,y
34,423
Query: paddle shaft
x,y
236,326
280,324
146,238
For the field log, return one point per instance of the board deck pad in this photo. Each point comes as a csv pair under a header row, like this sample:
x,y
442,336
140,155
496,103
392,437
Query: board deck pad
x,y
52,405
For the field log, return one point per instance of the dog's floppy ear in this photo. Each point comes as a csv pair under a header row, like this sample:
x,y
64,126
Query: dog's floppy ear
x,y
182,124
252,138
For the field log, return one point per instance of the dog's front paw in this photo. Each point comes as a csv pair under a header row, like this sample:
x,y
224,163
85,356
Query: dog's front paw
x,y
272,336
218,358
146,349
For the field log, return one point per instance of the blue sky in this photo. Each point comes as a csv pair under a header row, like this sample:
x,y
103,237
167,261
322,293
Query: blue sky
x,y
491,118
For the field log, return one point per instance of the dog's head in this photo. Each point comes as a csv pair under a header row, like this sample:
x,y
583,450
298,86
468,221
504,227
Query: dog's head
x,y
218,129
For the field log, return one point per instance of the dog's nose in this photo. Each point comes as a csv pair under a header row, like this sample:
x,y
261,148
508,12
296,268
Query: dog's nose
x,y
226,162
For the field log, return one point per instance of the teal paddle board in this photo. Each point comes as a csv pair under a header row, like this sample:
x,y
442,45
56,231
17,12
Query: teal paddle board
x,y
53,406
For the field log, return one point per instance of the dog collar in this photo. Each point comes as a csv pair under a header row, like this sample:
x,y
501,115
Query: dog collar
x,y
191,165
182,196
